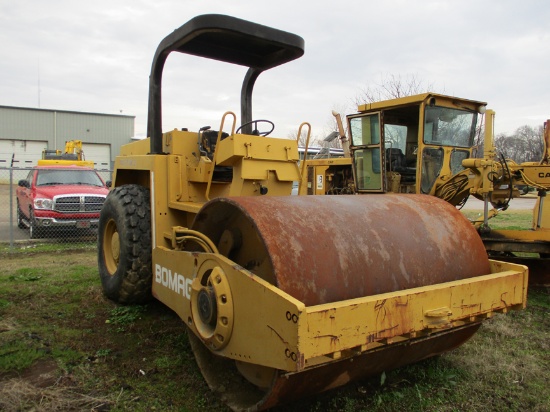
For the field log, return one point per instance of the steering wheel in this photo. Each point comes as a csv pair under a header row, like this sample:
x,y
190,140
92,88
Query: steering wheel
x,y
256,132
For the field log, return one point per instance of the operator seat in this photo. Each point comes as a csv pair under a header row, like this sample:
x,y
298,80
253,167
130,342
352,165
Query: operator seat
x,y
397,162
208,143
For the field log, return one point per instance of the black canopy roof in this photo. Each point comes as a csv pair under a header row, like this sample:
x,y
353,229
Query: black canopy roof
x,y
227,39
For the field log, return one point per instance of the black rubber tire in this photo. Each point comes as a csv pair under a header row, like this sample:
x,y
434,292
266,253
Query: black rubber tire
x,y
124,245
34,231
20,217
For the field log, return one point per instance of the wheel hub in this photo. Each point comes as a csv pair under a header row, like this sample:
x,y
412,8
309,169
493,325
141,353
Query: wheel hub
x,y
212,306
111,247
206,305
115,246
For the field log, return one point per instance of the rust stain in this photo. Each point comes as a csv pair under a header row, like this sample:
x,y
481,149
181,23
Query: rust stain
x,y
383,331
380,304
278,335
381,334
503,300
470,306
357,252
332,337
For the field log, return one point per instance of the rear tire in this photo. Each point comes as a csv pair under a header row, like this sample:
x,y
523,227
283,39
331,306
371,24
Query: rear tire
x,y
124,245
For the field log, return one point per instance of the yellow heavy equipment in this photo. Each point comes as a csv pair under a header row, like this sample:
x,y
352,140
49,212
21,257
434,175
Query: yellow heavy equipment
x,y
284,296
425,144
73,155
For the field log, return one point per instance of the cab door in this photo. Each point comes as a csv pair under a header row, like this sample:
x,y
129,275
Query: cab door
x,y
366,152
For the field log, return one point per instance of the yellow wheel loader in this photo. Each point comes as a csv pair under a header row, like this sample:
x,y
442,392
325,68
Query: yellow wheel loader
x,y
425,144
284,296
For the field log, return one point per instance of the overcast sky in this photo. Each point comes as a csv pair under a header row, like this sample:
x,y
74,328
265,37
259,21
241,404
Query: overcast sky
x,y
95,56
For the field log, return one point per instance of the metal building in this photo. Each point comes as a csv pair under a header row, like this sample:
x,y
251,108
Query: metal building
x,y
26,132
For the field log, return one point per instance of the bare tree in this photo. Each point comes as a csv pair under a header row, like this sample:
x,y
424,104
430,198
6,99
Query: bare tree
x,y
524,145
393,86
390,86
303,136
314,141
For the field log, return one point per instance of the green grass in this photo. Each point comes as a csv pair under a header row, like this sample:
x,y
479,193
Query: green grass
x,y
16,355
46,246
510,220
121,358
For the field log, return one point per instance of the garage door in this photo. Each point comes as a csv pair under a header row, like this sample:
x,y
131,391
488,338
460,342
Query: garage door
x,y
100,154
21,153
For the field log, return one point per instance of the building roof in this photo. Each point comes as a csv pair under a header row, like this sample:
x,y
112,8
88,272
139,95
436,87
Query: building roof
x,y
65,111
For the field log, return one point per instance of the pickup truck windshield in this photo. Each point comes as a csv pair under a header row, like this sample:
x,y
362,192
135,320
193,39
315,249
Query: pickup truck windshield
x,y
68,177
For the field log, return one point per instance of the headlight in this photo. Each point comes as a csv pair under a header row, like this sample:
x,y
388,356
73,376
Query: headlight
x,y
43,204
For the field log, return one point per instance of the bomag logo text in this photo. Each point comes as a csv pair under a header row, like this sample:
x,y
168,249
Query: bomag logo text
x,y
173,280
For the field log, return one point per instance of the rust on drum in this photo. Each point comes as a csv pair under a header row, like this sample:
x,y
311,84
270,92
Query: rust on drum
x,y
333,248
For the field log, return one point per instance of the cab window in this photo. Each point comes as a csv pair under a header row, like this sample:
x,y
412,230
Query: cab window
x,y
444,126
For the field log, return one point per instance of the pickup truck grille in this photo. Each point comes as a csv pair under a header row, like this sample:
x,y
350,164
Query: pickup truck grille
x,y
78,203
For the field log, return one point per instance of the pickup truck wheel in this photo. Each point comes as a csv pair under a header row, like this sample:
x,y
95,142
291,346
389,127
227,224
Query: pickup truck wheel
x,y
124,245
20,217
34,231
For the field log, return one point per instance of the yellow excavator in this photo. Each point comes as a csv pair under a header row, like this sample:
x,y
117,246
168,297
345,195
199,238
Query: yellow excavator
x,y
426,144
284,296
73,155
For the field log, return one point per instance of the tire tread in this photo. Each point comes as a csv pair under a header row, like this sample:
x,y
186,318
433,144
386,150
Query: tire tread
x,y
129,206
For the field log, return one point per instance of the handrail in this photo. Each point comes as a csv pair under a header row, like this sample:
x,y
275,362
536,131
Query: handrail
x,y
303,165
220,132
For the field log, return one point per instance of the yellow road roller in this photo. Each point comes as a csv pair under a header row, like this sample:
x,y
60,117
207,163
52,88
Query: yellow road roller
x,y
284,296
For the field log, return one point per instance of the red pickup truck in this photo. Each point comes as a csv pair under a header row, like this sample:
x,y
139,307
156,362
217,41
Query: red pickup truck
x,y
60,197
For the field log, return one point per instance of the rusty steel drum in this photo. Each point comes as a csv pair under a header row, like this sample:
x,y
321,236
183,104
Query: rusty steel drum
x,y
322,249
